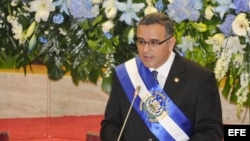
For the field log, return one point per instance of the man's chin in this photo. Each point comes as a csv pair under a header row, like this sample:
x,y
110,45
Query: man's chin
x,y
148,64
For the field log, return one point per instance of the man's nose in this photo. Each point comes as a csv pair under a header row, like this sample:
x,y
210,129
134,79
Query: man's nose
x,y
146,47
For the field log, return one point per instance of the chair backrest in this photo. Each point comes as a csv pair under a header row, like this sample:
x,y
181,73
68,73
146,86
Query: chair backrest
x,y
91,136
4,136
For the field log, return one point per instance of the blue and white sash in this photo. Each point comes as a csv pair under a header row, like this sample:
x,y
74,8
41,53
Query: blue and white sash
x,y
156,109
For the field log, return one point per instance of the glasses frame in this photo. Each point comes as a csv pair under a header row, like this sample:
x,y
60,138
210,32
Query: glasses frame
x,y
161,42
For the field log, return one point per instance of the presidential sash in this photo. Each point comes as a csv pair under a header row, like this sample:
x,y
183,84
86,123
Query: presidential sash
x,y
163,118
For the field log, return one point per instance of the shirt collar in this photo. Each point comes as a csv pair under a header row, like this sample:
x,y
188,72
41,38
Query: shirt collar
x,y
164,69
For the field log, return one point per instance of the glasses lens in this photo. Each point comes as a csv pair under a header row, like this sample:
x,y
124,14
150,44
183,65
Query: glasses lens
x,y
140,42
152,43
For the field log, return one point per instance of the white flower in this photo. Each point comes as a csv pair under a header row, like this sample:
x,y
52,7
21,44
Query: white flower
x,y
96,1
187,43
131,35
238,60
150,8
209,12
221,66
241,98
42,9
244,79
216,41
63,6
232,44
248,38
46,32
106,26
240,25
17,29
13,3
224,6
62,31
243,91
129,10
110,9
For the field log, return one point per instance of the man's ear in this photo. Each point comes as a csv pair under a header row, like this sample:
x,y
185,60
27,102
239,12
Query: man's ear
x,y
171,43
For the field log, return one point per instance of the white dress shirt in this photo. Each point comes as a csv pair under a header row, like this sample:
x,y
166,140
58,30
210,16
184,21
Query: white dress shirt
x,y
164,69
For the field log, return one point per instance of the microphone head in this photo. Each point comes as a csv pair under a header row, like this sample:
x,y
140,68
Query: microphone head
x,y
137,90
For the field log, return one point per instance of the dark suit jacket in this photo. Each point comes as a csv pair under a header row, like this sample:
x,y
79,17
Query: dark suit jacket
x,y
196,94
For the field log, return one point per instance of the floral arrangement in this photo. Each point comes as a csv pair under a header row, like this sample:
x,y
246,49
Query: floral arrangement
x,y
88,38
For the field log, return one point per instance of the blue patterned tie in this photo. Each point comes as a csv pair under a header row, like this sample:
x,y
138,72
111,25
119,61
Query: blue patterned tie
x,y
155,73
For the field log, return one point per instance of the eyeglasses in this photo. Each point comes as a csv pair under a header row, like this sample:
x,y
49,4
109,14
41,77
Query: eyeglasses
x,y
153,43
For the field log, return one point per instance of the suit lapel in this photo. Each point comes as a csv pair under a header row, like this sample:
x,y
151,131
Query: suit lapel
x,y
175,76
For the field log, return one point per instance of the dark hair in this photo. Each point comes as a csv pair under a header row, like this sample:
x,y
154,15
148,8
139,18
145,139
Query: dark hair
x,y
159,18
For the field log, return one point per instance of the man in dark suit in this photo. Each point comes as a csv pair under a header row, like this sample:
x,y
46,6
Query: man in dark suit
x,y
181,103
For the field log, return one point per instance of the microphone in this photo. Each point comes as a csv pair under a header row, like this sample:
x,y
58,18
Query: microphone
x,y
137,91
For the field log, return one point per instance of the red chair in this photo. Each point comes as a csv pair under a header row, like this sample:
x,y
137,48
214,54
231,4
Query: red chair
x,y
4,136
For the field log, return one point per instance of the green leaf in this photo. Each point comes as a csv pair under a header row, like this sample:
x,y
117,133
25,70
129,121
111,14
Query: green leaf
x,y
84,25
116,40
94,75
226,88
25,22
106,84
93,44
97,20
107,47
8,62
54,72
